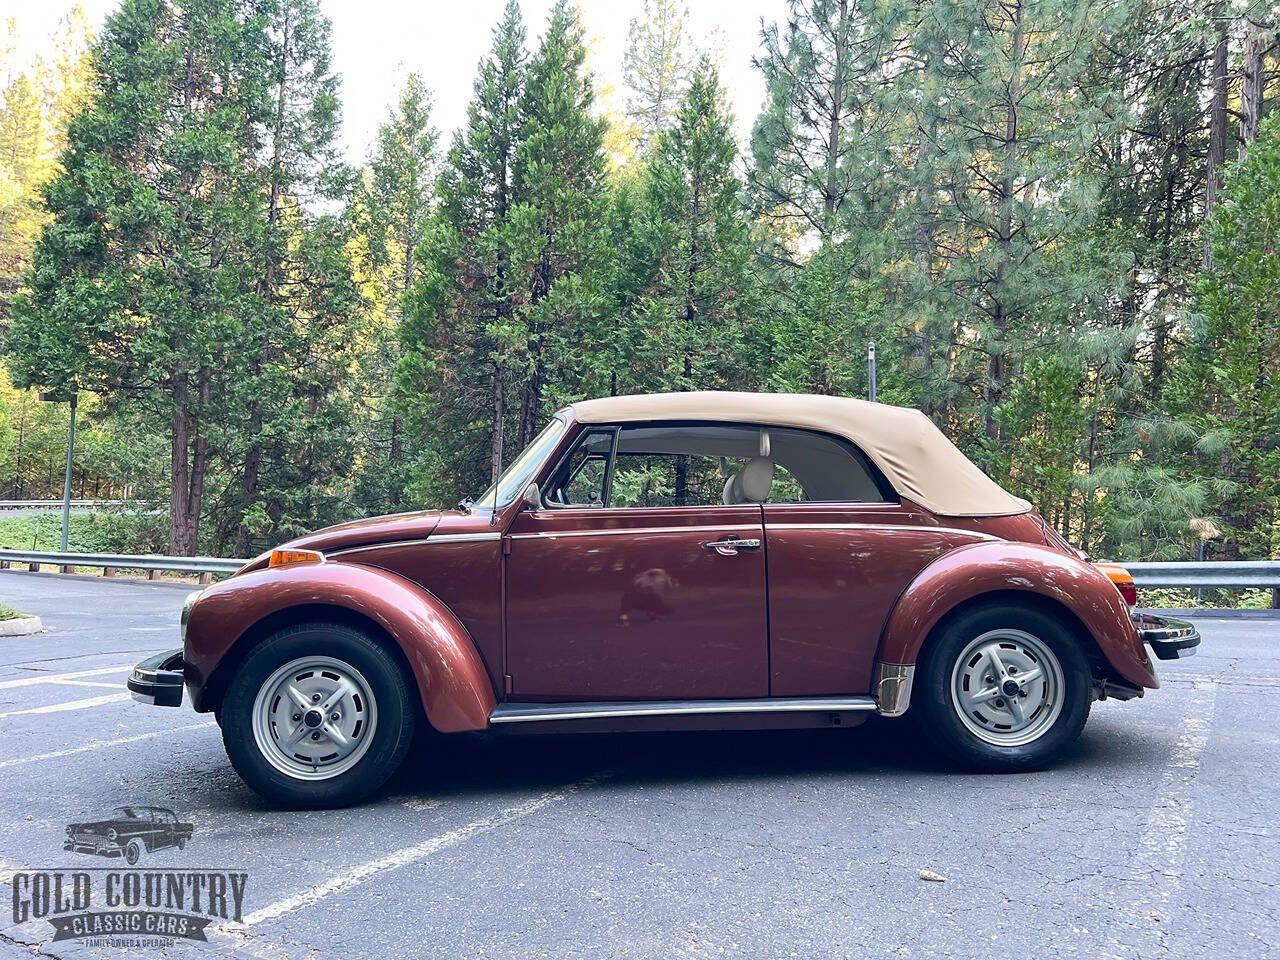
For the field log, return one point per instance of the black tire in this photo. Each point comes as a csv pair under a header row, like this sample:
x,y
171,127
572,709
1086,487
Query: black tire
x,y
393,732
133,851
935,703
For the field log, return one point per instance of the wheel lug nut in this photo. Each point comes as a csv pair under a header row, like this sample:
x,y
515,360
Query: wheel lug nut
x,y
315,736
335,717
315,698
297,717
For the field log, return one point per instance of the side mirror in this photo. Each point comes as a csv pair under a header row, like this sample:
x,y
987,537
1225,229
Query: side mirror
x,y
533,497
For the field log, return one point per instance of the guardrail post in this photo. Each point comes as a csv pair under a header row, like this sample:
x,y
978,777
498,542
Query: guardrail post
x,y
33,567
108,571
1275,598
68,568
153,574
206,579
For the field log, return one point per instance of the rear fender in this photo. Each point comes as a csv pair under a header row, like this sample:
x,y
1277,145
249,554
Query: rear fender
x,y
451,677
969,572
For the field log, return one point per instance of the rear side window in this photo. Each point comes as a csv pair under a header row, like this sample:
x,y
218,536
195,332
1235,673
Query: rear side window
x,y
814,467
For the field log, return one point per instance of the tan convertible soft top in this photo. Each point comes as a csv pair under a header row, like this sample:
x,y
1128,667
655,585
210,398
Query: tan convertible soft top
x,y
914,455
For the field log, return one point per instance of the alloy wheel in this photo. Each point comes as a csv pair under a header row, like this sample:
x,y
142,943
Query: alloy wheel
x,y
314,718
1007,687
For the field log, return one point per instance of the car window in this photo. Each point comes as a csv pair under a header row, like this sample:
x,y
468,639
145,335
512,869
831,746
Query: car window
x,y
579,480
815,467
680,465
517,476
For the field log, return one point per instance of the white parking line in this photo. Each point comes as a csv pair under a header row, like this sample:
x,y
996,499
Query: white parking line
x,y
102,744
86,683
1158,860
399,858
38,678
84,704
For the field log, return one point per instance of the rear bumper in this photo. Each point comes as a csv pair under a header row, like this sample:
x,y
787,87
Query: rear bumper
x,y
158,680
1169,638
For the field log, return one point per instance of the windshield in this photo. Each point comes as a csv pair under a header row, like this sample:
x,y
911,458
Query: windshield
x,y
517,476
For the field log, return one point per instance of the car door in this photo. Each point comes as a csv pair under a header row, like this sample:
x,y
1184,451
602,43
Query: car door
x,y
631,580
841,549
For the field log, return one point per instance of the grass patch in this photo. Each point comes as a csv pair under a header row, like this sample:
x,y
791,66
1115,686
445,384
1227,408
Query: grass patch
x,y
9,613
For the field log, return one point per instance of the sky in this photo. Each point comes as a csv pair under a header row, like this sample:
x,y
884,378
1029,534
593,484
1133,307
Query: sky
x,y
376,43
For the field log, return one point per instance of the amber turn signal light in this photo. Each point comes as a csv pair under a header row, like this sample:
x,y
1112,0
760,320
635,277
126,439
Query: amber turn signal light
x,y
282,558
1123,581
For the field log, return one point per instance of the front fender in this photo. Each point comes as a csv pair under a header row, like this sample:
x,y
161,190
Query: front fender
x,y
989,567
451,677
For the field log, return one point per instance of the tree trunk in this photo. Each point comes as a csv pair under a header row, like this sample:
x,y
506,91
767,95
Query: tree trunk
x,y
267,288
1217,127
993,389
829,193
1254,85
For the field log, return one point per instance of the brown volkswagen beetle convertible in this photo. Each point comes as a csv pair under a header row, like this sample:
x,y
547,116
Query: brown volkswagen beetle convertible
x,y
676,561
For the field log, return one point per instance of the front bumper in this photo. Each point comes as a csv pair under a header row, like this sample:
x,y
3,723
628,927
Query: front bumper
x,y
158,680
1168,637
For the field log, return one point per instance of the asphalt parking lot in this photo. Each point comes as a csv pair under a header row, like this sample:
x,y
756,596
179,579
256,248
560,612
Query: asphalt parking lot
x,y
1157,837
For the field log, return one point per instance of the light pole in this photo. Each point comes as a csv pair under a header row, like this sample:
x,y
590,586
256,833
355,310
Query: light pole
x,y
871,371
71,446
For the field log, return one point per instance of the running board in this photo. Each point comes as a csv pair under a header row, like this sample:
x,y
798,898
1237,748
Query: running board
x,y
530,712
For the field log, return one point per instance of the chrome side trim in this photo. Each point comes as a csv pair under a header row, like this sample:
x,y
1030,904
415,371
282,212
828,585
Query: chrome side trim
x,y
717,528
434,538
530,712
893,688
784,525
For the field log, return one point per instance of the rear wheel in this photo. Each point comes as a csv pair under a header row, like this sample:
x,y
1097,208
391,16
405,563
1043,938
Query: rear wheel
x,y
1005,688
319,715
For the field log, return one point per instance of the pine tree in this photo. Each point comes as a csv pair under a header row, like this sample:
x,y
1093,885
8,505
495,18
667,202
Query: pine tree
x,y
656,67
395,201
1227,388
694,200
559,236
305,292
457,335
139,284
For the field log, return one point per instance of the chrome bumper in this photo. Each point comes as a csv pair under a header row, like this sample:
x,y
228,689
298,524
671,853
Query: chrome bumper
x,y
158,680
1169,638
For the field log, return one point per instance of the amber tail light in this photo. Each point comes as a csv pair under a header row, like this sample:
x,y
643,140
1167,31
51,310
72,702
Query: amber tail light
x,y
282,558
1123,581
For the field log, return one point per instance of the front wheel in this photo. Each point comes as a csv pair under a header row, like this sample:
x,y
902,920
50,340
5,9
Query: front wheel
x,y
1004,688
133,851
319,715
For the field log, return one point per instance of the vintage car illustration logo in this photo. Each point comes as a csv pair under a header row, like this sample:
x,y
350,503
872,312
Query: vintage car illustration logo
x,y
128,905
129,833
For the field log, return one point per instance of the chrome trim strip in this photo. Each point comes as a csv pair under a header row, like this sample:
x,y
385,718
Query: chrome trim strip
x,y
529,712
893,688
782,524
717,528
434,538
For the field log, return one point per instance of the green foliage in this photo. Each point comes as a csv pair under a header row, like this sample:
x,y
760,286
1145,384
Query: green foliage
x,y
1006,200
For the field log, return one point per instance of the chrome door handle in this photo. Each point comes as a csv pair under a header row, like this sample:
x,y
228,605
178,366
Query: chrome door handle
x,y
730,546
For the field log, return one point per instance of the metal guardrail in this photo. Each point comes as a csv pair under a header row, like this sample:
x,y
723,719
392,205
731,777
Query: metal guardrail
x,y
57,504
112,562
1210,573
